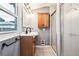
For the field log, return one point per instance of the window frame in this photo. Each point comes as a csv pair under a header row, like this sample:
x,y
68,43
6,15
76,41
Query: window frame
x,y
10,13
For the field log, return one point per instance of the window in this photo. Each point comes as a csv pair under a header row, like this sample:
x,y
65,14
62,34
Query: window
x,y
8,21
9,6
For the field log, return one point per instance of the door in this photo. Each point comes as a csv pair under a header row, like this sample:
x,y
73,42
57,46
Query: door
x,y
40,20
70,29
26,46
43,20
46,19
75,30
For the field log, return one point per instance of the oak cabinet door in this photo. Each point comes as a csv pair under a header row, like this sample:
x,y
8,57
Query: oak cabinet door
x,y
43,20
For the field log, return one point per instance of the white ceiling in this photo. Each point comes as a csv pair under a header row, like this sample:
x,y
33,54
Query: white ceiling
x,y
40,5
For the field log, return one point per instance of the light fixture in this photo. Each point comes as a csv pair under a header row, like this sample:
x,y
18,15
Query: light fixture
x,y
28,8
27,5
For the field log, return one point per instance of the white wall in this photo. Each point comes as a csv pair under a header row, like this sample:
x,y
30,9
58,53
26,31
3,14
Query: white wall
x,y
29,20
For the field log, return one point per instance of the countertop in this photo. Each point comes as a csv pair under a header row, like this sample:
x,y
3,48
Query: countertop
x,y
29,34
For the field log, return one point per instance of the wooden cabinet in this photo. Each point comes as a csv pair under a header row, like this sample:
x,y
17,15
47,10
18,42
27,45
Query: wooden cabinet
x,y
43,20
27,46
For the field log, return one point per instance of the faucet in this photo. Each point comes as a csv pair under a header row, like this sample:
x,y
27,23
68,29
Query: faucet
x,y
28,29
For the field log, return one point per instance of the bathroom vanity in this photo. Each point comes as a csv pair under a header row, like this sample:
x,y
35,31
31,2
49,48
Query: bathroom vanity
x,y
28,44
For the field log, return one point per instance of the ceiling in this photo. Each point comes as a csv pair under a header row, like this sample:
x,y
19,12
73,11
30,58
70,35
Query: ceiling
x,y
40,5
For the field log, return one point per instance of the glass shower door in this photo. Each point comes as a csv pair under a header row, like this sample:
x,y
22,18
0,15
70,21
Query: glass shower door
x,y
53,32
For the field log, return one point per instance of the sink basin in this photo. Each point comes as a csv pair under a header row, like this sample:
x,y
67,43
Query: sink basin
x,y
29,34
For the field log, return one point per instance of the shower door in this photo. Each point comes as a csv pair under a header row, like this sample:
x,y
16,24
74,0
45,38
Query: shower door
x,y
53,32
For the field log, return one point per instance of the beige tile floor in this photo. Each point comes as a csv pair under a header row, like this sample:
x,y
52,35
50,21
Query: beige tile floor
x,y
44,51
